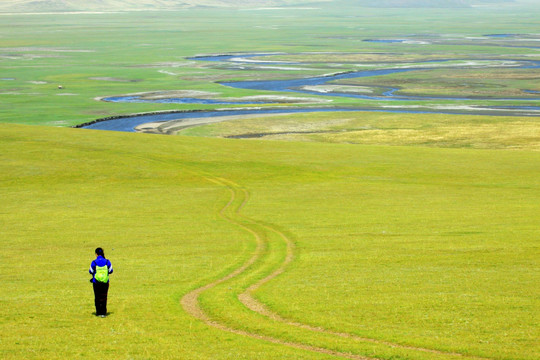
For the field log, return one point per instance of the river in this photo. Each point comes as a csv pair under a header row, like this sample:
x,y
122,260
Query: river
x,y
299,85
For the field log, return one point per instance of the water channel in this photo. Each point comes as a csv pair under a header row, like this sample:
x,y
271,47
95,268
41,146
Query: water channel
x,y
301,85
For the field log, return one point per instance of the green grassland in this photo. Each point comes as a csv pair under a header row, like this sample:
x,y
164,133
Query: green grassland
x,y
479,83
416,247
97,55
363,236
433,130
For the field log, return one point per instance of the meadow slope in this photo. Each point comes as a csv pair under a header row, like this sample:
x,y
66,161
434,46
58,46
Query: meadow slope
x,y
289,250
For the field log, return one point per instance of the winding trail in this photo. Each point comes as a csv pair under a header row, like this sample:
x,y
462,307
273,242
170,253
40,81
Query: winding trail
x,y
231,212
190,301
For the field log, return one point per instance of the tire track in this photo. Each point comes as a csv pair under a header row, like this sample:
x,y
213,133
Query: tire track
x,y
190,301
253,304
247,299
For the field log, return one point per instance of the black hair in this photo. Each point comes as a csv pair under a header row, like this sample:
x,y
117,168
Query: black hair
x,y
99,251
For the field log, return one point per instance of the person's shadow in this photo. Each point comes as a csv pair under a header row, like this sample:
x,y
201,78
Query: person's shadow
x,y
108,313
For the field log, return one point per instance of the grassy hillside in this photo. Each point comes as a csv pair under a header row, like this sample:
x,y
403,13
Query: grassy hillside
x,y
123,5
235,249
424,3
412,253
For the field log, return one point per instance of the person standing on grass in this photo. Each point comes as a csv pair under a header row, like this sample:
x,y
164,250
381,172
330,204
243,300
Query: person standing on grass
x,y
100,269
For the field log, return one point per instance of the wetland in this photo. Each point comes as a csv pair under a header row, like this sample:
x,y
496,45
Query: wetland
x,y
374,85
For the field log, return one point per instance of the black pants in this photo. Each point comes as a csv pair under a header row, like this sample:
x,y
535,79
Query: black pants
x,y
100,293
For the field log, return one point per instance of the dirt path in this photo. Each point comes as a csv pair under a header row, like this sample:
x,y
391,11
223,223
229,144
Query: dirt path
x,y
231,212
190,301
251,303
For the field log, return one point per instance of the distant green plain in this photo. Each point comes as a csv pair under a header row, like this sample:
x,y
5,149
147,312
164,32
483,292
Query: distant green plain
x,y
99,55
414,252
